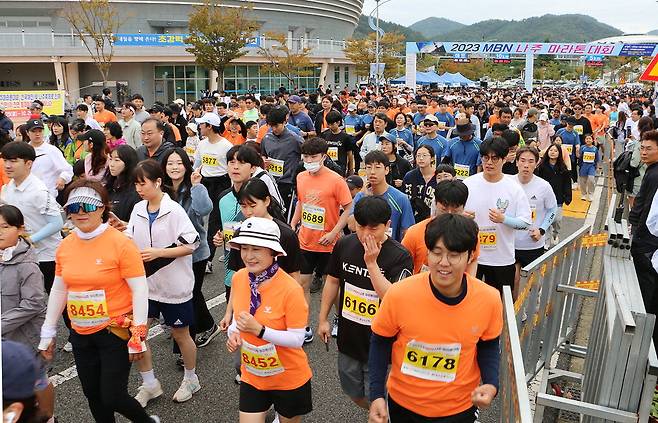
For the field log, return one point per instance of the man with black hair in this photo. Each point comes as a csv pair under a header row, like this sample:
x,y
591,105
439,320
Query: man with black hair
x,y
52,168
504,116
321,195
463,151
370,142
582,125
449,197
283,149
299,118
432,358
140,114
179,121
167,120
422,112
500,207
107,98
340,143
402,215
82,112
103,115
446,119
153,144
513,138
157,111
362,268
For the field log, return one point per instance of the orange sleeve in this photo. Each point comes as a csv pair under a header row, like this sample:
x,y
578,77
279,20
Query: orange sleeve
x,y
113,117
3,177
408,242
495,327
130,261
296,309
261,132
385,321
176,132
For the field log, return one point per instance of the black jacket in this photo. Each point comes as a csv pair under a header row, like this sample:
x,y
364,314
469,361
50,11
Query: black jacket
x,y
143,153
399,168
317,120
643,240
560,182
123,201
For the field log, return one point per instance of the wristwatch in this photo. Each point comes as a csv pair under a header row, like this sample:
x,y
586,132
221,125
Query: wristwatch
x,y
542,231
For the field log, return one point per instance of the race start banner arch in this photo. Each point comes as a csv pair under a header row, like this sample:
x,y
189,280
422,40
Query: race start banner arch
x,y
528,49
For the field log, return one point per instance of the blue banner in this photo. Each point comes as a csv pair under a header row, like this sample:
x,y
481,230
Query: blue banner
x,y
637,50
163,40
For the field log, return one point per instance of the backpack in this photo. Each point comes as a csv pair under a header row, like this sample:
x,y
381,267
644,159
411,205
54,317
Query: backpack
x,y
624,173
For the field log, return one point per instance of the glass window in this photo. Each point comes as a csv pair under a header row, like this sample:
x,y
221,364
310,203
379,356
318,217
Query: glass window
x,y
164,72
190,87
201,72
201,84
241,71
253,82
229,71
190,72
179,71
229,85
337,75
347,75
253,71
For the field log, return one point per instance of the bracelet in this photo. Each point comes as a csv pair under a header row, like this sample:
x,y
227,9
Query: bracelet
x,y
262,332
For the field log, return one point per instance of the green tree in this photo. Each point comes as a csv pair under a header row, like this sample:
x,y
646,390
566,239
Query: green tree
x,y
362,53
218,35
285,60
95,22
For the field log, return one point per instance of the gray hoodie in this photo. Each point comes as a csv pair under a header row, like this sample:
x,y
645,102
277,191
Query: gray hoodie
x,y
24,297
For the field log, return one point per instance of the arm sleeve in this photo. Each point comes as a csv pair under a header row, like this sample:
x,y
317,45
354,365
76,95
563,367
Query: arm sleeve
x,y
56,304
515,222
379,358
54,224
549,218
488,358
140,291
291,338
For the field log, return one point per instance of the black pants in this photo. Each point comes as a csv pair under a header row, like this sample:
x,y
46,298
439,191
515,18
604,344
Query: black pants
x,y
202,318
48,270
648,281
215,186
497,276
574,170
399,414
103,367
286,191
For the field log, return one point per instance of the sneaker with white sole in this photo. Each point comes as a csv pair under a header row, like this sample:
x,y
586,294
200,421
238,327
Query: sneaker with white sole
x,y
155,419
188,387
204,338
68,347
146,394
308,335
238,379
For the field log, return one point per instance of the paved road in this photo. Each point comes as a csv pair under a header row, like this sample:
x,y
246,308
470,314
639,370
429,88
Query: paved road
x,y
218,399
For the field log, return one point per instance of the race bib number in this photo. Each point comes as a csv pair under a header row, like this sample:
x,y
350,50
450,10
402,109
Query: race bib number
x,y
588,157
462,171
261,361
437,362
208,160
313,217
533,212
229,232
275,167
362,173
87,308
488,238
190,151
349,130
333,153
359,305
578,129
569,148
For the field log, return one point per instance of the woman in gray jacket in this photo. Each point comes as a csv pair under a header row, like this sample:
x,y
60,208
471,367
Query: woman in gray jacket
x,y
24,298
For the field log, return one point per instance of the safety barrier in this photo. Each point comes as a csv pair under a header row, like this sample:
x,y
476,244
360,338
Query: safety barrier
x,y
515,405
621,368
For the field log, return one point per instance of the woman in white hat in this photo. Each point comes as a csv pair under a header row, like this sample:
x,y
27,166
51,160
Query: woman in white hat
x,y
269,317
192,139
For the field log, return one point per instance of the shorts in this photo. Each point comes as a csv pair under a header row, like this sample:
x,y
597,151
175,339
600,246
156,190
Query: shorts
x,y
399,414
353,374
525,257
497,276
313,260
175,315
288,403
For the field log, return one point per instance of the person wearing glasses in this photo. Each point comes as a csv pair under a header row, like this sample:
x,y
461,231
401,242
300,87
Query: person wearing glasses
x,y
101,282
454,358
432,138
500,207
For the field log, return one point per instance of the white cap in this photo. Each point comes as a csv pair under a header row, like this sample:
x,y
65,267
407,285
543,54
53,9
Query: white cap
x,y
192,126
210,118
179,101
84,195
543,116
402,100
260,232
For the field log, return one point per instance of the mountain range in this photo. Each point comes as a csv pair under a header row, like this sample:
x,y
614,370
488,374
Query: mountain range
x,y
553,28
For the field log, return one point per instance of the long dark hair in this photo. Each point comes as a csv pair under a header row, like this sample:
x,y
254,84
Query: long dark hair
x,y
150,169
560,166
98,153
128,156
57,120
185,187
256,189
12,215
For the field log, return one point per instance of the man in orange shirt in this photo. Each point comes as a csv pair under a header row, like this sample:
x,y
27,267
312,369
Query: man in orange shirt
x,y
439,331
450,197
102,115
321,194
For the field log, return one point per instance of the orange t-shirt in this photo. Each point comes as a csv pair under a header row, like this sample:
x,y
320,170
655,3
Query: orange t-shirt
x,y
493,119
235,138
104,117
282,307
431,110
392,112
320,197
262,131
176,132
95,268
596,121
435,351
4,179
414,242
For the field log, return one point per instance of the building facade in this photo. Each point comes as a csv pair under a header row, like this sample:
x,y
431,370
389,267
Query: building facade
x,y
42,52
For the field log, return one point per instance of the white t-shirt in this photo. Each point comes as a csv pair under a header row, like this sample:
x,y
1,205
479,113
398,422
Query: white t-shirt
x,y
35,202
50,165
542,199
212,157
496,239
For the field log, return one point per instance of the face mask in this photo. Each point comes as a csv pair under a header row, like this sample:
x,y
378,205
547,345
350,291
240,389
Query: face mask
x,y
312,166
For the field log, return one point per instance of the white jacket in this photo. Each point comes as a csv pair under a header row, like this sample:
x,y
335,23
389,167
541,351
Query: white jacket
x,y
170,280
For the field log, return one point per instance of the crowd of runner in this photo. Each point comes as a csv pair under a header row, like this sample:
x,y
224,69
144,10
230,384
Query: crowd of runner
x,y
408,211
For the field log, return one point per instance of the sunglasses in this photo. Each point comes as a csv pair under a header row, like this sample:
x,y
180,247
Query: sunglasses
x,y
76,207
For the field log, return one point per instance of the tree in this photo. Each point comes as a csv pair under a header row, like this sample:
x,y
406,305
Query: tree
x,y
219,34
362,53
284,59
95,22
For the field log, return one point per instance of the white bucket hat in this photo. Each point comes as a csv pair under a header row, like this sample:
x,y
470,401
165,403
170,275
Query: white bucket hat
x,y
259,232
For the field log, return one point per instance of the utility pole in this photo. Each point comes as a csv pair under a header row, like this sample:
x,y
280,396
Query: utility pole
x,y
377,51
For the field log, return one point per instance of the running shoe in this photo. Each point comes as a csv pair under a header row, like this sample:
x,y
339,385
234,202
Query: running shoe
x,y
204,338
155,419
146,394
209,267
334,327
316,284
237,379
308,335
68,347
187,388
221,258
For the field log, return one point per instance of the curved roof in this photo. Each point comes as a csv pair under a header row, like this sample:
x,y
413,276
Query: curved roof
x,y
630,38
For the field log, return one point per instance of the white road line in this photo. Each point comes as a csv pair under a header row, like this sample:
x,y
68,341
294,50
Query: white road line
x,y
71,372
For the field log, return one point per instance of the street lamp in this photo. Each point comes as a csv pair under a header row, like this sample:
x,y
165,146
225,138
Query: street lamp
x,y
377,32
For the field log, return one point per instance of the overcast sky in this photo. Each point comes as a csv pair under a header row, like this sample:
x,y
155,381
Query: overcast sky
x,y
637,16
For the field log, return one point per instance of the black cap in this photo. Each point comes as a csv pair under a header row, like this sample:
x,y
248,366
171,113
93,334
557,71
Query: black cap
x,y
354,181
571,120
33,123
92,135
156,108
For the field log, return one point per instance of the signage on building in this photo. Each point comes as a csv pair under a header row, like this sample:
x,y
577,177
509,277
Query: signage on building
x,y
460,58
163,40
16,103
502,58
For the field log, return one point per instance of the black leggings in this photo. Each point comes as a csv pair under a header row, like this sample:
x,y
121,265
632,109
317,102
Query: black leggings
x,y
48,270
103,367
215,186
399,414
